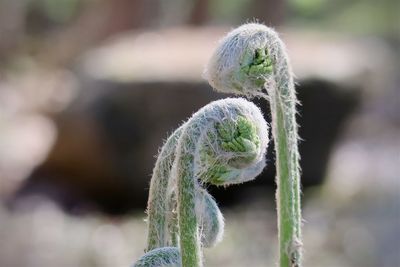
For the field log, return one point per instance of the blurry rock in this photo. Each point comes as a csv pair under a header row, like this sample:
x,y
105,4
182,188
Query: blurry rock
x,y
104,154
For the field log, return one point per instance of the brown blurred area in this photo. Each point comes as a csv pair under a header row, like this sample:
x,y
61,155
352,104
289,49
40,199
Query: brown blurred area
x,y
89,89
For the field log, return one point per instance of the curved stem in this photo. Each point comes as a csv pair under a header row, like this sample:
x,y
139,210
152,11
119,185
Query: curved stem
x,y
187,183
158,205
284,128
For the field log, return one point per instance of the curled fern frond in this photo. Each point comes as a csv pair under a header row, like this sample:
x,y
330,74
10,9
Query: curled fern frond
x,y
223,143
252,61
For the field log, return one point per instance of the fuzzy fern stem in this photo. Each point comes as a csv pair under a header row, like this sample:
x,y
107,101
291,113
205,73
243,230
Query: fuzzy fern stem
x,y
158,207
251,60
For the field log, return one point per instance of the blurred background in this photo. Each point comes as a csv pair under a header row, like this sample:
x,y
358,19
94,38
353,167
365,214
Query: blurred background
x,y
89,89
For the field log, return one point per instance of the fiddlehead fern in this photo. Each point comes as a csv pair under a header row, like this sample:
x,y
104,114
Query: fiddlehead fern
x,y
223,143
251,60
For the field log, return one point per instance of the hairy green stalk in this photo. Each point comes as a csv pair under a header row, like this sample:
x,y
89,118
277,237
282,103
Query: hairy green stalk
x,y
158,206
223,143
251,60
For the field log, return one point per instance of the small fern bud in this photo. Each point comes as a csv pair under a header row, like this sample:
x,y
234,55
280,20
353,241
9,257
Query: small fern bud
x,y
160,257
244,61
232,150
